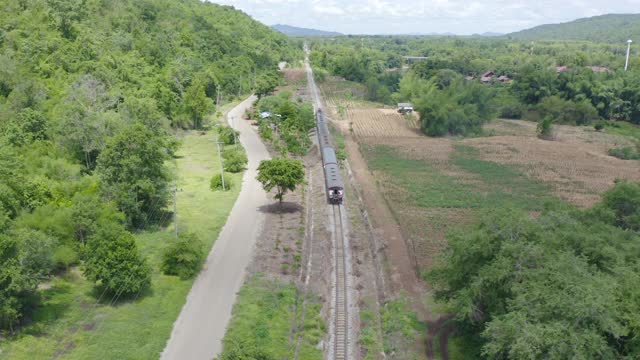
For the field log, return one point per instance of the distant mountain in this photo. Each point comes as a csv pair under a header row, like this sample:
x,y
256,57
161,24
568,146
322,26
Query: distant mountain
x,y
612,28
298,31
490,34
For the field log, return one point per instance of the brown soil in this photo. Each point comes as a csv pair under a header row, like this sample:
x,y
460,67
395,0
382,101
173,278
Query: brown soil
x,y
576,163
401,262
383,123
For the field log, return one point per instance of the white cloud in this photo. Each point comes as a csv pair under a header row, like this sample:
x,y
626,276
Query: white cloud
x,y
324,9
425,16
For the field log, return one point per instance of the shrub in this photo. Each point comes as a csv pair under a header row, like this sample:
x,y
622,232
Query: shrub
x,y
183,257
264,129
509,107
625,153
568,112
545,128
36,251
216,183
234,160
64,257
598,126
18,285
113,261
624,200
227,135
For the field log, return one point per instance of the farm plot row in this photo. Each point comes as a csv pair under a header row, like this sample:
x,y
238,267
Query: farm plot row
x,y
383,123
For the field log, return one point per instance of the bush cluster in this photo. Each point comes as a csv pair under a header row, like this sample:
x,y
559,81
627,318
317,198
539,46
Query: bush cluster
x,y
625,153
183,257
235,160
215,184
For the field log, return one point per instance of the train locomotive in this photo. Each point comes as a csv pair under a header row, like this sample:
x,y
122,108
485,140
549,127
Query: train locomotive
x,y
333,181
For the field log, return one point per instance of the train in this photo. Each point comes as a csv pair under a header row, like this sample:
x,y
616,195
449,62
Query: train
x,y
334,185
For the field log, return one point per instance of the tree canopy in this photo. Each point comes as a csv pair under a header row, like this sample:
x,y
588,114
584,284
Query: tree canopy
x,y
562,285
282,174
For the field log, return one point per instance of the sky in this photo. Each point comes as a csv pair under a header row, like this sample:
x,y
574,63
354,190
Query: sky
x,y
461,17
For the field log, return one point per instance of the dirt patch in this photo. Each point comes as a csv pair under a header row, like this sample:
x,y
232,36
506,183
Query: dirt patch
x,y
295,75
442,328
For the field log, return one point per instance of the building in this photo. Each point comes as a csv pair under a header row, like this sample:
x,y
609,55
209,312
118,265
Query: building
x,y
561,69
599,69
488,77
504,79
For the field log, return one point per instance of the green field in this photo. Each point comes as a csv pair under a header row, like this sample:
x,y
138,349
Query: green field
x,y
425,187
71,324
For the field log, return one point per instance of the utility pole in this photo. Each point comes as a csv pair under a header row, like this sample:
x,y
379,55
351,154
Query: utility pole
x,y
626,63
221,165
175,209
233,127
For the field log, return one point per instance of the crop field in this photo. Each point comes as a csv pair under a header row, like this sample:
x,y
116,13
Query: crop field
x,y
383,123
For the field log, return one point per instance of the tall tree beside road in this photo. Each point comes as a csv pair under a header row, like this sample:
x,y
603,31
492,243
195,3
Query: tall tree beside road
x,y
282,174
133,173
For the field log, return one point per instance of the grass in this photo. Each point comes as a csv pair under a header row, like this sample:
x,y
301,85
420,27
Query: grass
x,y
71,324
623,128
370,332
426,187
264,313
400,327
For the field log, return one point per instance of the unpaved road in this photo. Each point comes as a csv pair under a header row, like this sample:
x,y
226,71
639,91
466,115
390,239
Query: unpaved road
x,y
198,331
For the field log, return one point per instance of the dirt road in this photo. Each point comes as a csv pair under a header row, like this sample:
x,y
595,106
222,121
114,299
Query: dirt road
x,y
198,331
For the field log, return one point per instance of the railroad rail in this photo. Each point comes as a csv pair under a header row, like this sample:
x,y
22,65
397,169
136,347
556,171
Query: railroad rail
x,y
341,313
339,337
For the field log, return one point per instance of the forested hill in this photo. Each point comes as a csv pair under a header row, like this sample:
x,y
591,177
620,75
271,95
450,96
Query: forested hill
x,y
612,28
89,92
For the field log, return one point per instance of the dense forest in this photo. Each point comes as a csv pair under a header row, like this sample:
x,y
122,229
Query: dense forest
x,y
612,28
90,92
572,82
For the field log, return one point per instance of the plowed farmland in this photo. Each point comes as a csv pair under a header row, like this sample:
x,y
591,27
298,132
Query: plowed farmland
x,y
383,123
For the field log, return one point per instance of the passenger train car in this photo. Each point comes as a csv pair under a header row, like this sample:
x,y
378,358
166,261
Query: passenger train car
x,y
334,185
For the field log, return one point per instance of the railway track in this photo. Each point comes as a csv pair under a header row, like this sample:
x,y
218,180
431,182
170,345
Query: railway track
x,y
341,305
340,323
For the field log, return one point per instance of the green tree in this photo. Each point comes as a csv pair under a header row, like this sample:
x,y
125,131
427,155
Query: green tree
x,y
133,173
234,160
624,200
114,263
282,174
545,128
197,104
550,287
265,84
183,257
17,285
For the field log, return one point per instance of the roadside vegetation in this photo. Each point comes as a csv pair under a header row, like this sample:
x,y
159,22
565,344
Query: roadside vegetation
x,y
262,318
285,122
74,319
